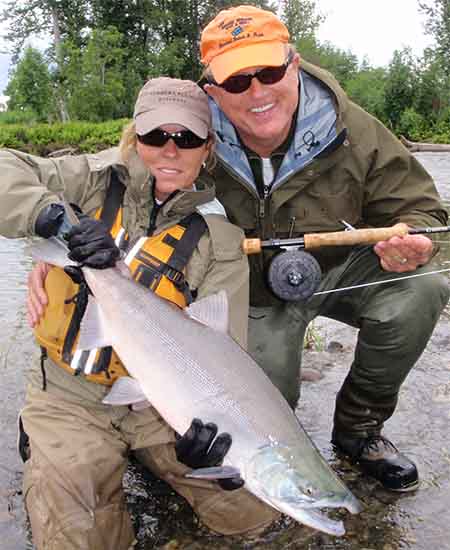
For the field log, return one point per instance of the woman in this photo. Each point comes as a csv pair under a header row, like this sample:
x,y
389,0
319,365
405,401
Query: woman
x,y
149,195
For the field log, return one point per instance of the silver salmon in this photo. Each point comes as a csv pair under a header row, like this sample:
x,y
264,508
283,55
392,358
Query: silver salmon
x,y
187,366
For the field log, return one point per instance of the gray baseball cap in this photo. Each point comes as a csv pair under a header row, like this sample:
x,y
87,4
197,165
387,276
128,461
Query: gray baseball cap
x,y
172,101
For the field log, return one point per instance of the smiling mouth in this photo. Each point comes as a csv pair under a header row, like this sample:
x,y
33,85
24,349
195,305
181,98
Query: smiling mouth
x,y
263,108
170,171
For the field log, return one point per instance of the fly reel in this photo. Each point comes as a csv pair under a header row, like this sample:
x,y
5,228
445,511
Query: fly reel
x,y
294,275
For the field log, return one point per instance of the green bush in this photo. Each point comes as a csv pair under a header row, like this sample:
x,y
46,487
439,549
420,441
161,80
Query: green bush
x,y
411,124
18,117
42,139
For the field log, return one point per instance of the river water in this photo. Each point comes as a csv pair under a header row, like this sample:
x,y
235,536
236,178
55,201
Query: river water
x,y
420,426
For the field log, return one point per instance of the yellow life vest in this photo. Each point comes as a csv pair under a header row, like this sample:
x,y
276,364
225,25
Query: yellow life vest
x,y
157,262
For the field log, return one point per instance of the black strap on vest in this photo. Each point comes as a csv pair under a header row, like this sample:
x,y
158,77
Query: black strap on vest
x,y
111,206
80,300
194,226
113,199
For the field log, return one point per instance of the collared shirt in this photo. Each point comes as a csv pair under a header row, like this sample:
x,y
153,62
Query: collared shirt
x,y
276,158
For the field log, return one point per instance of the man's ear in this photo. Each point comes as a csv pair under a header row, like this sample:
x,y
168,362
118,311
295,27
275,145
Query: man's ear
x,y
296,61
212,91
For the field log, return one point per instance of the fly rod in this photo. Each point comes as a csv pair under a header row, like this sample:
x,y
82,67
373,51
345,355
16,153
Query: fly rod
x,y
310,241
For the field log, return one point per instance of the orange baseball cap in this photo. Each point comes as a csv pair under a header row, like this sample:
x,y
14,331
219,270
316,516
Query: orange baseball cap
x,y
243,37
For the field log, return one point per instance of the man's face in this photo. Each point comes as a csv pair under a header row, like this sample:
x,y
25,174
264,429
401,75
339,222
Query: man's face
x,y
262,114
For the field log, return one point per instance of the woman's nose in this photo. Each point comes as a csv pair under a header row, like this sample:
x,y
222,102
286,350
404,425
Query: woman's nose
x,y
170,149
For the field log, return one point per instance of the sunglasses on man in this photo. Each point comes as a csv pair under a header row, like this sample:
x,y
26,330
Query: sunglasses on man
x,y
240,83
184,139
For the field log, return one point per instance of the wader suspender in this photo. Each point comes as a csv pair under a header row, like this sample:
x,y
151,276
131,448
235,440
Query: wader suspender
x,y
194,226
111,207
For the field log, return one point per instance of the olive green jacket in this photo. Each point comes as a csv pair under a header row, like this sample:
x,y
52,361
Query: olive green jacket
x,y
30,183
341,164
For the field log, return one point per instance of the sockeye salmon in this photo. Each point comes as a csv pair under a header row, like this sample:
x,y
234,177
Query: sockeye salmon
x,y
209,376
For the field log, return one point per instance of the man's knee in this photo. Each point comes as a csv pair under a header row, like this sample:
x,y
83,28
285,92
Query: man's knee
x,y
408,315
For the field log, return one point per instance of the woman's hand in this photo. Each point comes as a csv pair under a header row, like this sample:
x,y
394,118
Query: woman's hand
x,y
37,298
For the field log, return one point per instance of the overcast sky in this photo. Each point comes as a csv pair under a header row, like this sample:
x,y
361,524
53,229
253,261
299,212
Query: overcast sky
x,y
375,29
372,29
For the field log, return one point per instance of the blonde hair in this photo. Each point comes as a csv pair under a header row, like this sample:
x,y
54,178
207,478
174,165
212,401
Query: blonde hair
x,y
128,141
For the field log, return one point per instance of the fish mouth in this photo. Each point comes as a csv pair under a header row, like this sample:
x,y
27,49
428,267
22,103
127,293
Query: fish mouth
x,y
320,521
313,512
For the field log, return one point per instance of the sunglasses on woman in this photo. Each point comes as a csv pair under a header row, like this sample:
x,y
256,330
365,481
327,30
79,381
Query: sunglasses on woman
x,y
184,139
242,82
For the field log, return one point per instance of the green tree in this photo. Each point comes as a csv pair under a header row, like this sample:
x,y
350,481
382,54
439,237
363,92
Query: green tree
x,y
401,85
93,77
59,19
367,89
431,91
342,64
301,18
30,85
438,25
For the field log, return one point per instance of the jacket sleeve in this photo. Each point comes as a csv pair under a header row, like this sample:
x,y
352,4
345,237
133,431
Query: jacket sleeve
x,y
30,183
217,264
397,187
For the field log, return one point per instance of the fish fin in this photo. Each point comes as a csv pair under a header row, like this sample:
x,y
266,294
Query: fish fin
x,y
92,329
126,391
51,251
211,311
215,472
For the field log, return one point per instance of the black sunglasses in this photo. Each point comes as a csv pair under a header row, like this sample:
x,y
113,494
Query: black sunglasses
x,y
184,139
242,82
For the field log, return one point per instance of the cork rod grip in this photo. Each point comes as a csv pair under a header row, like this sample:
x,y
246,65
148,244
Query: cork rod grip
x,y
251,246
357,236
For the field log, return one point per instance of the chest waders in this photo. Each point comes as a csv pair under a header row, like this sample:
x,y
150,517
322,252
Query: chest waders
x,y
157,262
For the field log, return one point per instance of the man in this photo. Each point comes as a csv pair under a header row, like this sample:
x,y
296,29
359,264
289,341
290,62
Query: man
x,y
295,156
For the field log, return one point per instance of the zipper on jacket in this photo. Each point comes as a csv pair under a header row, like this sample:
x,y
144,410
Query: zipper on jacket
x,y
152,222
155,210
262,207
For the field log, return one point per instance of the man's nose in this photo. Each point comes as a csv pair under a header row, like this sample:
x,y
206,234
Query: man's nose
x,y
256,88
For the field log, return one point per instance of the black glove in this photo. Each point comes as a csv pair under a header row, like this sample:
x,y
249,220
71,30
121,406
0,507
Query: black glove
x,y
197,448
49,220
91,244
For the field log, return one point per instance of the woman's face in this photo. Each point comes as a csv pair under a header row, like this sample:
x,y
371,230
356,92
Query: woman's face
x,y
173,168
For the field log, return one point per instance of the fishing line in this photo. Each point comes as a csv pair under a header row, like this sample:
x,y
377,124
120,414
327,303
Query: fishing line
x,y
380,282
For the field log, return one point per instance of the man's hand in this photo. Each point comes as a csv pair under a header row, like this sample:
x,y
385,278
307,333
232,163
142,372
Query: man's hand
x,y
200,448
402,254
37,299
91,244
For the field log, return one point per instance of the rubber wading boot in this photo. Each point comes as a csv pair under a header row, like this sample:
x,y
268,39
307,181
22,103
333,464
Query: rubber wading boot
x,y
23,441
379,458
